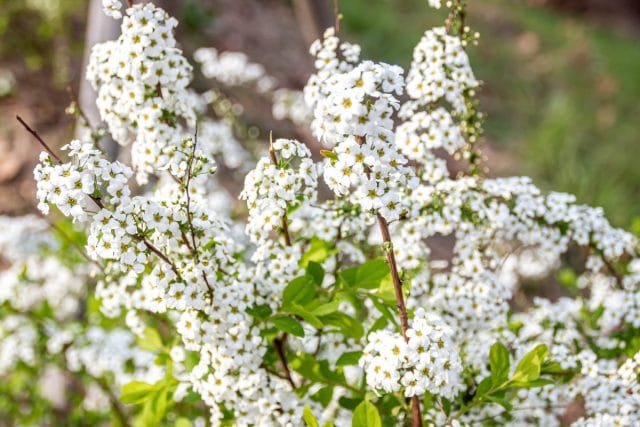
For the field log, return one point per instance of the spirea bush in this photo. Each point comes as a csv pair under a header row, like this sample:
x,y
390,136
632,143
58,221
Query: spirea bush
x,y
362,283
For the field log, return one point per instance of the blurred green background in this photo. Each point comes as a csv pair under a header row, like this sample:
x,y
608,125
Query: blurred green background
x,y
561,85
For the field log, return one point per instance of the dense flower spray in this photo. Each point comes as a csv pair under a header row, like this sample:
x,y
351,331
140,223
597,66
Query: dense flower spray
x,y
322,299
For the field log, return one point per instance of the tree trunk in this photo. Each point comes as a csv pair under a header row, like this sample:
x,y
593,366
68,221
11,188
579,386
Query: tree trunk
x,y
314,16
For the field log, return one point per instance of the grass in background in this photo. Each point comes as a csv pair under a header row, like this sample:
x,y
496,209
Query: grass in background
x,y
561,95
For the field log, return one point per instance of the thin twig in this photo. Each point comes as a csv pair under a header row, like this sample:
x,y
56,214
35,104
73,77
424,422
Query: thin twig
x,y
383,225
278,343
188,193
40,140
336,12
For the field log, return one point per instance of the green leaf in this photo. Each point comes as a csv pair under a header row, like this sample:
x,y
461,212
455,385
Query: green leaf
x,y
260,312
528,369
309,419
366,415
300,290
500,401
386,291
306,315
347,325
371,273
329,154
499,361
349,358
316,271
328,308
151,340
318,251
159,407
137,392
323,396
183,422
289,325
484,387
367,276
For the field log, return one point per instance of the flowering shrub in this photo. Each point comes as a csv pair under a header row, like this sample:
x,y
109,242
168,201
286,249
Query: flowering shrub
x,y
162,303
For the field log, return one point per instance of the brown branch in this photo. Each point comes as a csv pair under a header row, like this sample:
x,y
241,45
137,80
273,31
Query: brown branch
x,y
383,225
278,343
336,12
416,416
40,140
53,154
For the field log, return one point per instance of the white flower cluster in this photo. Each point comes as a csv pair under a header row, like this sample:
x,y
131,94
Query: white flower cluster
x,y
612,390
425,132
112,8
427,362
233,69
440,70
70,186
353,109
18,339
113,352
34,277
142,80
285,179
466,246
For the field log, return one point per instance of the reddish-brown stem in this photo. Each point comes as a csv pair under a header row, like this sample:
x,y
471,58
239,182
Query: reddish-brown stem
x,y
278,343
383,225
397,283
40,140
416,416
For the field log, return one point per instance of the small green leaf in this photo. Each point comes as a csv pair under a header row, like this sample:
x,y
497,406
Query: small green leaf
x,y
151,340
499,361
136,392
260,312
309,419
347,325
349,358
323,396
329,154
183,422
328,308
306,315
484,387
300,290
289,325
500,401
367,276
528,369
318,251
371,273
316,271
366,415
